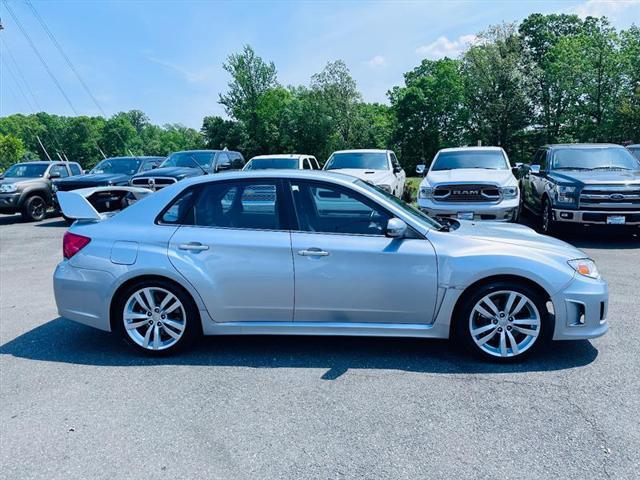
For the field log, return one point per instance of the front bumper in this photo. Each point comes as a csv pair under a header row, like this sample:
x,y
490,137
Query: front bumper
x,y
503,211
9,202
581,309
595,217
81,296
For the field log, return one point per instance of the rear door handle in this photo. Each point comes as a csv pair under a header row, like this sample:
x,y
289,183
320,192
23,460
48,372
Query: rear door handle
x,y
313,252
193,246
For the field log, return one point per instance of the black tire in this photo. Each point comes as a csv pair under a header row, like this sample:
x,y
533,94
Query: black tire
x,y
463,321
548,225
192,327
34,208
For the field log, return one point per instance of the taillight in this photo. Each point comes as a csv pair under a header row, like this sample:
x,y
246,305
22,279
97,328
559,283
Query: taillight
x,y
72,243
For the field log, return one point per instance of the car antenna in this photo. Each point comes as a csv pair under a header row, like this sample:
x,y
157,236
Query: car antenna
x,y
198,164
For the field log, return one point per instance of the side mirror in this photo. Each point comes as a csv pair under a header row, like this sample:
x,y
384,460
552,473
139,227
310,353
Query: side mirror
x,y
53,175
534,169
396,228
397,169
155,165
519,164
420,169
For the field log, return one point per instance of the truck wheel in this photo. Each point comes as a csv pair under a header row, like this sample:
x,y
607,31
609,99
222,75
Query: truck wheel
x,y
34,208
549,225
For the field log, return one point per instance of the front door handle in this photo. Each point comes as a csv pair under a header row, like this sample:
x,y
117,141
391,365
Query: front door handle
x,y
193,246
313,252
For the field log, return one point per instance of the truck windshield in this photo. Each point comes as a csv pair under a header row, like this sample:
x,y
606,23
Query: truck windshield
x,y
489,159
187,159
590,158
359,160
125,166
280,163
26,170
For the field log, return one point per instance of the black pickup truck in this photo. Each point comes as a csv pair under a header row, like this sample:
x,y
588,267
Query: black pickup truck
x,y
186,164
589,184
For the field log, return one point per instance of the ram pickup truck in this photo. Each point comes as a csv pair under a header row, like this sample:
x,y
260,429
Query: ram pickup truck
x,y
470,183
376,167
26,187
591,184
187,164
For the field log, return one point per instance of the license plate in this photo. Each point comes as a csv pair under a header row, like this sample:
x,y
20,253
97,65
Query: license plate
x,y
616,220
465,215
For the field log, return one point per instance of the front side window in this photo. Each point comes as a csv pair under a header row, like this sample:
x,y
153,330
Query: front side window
x,y
590,158
358,160
395,162
125,166
189,159
61,170
75,169
307,164
223,162
489,159
327,208
148,165
245,205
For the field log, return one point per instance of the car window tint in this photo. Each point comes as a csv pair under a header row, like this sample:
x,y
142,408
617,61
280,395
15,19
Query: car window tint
x,y
223,162
326,208
60,169
307,164
180,211
247,205
394,161
148,165
75,169
315,163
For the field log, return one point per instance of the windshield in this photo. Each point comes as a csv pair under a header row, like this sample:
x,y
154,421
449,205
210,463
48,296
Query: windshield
x,y
187,159
490,159
125,166
263,163
408,209
26,170
360,160
592,158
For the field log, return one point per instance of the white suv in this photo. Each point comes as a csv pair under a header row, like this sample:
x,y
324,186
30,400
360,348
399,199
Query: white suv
x,y
377,167
470,183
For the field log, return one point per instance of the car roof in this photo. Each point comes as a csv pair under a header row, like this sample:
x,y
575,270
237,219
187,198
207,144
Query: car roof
x,y
363,150
280,156
466,149
41,162
635,145
202,151
128,157
298,174
582,145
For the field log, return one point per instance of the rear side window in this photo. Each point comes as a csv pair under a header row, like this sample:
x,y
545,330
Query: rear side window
x,y
223,162
307,164
242,205
75,169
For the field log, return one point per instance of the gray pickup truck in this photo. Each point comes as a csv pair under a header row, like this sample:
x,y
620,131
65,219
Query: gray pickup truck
x,y
26,187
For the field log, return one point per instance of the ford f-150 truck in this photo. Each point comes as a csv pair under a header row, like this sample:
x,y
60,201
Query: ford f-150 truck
x,y
591,184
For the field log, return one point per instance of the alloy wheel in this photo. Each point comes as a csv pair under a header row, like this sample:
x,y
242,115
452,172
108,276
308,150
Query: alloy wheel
x,y
36,208
154,318
505,323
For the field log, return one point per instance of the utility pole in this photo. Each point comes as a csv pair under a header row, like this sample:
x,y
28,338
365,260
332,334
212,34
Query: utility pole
x,y
45,150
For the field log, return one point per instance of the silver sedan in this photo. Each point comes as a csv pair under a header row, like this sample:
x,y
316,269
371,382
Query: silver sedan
x,y
313,253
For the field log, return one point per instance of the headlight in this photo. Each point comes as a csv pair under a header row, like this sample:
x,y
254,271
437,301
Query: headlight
x,y
8,188
565,193
509,192
386,188
585,266
425,192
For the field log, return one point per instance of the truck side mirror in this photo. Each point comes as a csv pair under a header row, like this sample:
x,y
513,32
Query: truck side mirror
x,y
534,169
420,169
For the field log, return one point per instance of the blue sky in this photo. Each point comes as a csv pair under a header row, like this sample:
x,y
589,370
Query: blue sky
x,y
165,57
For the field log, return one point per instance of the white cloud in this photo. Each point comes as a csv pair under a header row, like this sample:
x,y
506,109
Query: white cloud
x,y
200,76
377,61
621,13
443,47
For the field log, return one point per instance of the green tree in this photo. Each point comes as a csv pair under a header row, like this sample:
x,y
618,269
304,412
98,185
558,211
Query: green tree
x,y
628,109
11,151
219,133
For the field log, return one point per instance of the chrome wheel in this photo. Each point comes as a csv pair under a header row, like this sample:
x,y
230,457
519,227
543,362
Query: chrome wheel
x,y
505,323
154,318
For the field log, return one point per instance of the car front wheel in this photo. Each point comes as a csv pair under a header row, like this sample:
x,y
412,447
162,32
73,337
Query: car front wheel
x,y
157,317
503,322
34,208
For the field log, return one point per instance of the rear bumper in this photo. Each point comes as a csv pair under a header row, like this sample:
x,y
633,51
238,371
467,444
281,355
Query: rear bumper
x,y
81,295
595,217
504,211
581,309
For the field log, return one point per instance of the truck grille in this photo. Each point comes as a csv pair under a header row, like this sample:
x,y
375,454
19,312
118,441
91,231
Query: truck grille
x,y
610,197
154,183
466,193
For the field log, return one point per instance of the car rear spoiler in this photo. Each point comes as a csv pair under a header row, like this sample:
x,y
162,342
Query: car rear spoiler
x,y
76,206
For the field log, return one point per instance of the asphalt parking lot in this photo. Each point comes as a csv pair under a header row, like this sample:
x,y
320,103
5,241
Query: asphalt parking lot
x,y
78,403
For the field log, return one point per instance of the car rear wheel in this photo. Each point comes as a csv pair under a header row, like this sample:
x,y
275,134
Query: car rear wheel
x,y
157,317
34,208
503,322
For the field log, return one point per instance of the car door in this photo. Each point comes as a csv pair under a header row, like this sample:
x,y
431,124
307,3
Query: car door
x,y
347,270
233,245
